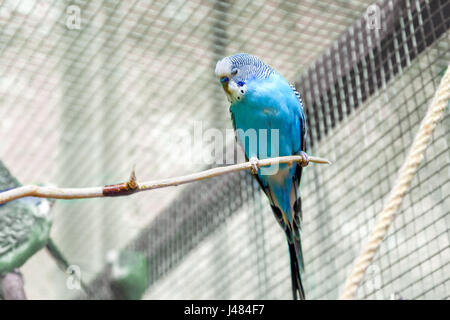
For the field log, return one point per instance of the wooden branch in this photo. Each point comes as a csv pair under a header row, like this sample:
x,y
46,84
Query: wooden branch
x,y
132,186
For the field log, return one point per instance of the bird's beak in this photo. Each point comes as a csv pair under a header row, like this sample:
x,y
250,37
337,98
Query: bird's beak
x,y
226,88
225,81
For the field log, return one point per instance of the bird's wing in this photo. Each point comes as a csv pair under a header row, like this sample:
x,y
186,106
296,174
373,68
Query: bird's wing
x,y
16,218
295,190
303,126
7,180
22,233
16,222
298,172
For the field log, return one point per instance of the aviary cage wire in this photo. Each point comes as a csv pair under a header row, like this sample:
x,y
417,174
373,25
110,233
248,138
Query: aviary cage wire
x,y
81,104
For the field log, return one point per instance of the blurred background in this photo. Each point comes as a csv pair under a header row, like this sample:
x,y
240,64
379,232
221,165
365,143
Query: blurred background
x,y
88,89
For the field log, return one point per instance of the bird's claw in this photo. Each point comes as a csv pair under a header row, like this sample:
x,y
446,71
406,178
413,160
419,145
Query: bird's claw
x,y
255,165
305,159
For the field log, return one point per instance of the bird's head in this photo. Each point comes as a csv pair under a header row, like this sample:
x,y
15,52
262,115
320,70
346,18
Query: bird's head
x,y
235,72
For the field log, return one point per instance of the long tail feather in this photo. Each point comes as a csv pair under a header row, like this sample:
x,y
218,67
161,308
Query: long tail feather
x,y
297,287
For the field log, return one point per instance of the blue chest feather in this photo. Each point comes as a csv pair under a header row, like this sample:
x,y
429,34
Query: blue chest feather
x,y
270,104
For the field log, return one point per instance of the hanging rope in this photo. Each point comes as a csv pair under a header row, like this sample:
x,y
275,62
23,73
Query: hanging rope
x,y
406,173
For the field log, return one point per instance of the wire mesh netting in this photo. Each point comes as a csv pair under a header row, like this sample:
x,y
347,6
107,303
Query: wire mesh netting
x,y
132,83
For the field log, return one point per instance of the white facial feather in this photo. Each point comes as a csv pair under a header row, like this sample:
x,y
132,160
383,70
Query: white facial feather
x,y
237,92
223,67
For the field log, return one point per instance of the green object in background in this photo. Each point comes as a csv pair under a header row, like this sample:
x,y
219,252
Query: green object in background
x,y
24,226
7,181
129,274
442,72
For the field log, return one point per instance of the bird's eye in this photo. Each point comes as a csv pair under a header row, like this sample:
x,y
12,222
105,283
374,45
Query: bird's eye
x,y
234,72
224,79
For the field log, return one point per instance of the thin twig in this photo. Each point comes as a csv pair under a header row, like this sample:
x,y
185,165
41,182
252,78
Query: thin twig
x,y
132,186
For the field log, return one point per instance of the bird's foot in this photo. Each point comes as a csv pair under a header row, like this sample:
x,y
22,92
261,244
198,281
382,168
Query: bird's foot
x,y
255,165
305,159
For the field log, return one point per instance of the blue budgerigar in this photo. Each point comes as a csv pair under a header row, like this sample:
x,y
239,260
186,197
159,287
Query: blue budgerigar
x,y
264,104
